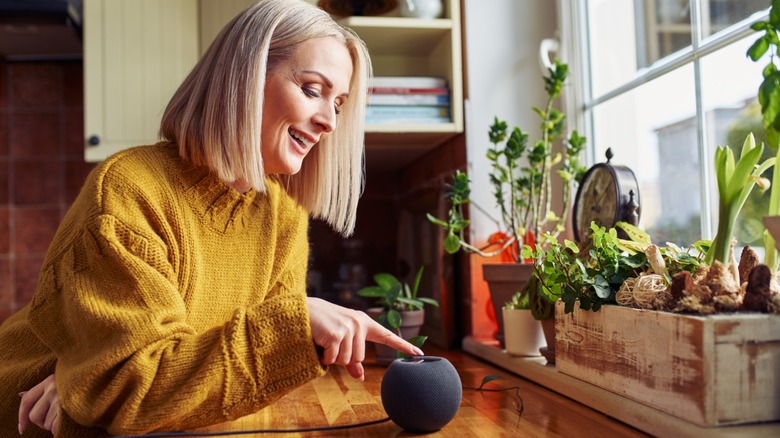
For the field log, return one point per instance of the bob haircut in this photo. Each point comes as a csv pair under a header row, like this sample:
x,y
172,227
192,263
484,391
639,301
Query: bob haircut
x,y
215,115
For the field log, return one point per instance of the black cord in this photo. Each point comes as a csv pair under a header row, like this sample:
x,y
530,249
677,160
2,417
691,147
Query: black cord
x,y
519,405
247,432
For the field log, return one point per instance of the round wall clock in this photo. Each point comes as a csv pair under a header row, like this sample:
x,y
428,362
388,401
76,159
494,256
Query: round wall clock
x,y
608,193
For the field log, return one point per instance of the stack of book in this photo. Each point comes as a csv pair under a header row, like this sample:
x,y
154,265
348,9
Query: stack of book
x,y
408,99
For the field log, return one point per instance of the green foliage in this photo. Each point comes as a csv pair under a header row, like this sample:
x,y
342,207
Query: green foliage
x,y
590,277
396,297
521,176
736,177
769,90
592,274
519,301
488,379
458,193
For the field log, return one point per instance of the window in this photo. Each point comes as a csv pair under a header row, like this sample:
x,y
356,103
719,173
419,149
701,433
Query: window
x,y
663,83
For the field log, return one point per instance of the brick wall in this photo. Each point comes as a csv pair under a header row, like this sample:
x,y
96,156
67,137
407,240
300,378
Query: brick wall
x,y
42,167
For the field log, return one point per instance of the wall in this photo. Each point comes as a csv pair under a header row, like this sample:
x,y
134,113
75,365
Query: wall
x,y
41,167
504,79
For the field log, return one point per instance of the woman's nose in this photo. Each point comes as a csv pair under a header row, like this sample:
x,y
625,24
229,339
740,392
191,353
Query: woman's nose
x,y
325,118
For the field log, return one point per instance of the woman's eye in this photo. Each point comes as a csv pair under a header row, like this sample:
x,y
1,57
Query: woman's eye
x,y
338,111
310,92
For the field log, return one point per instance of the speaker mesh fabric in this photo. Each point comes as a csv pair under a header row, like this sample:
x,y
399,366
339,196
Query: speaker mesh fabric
x,y
421,394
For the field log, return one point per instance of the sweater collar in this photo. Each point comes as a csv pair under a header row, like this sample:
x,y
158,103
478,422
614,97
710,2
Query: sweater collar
x,y
224,207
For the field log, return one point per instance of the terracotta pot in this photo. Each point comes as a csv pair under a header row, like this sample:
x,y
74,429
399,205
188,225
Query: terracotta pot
x,y
411,322
503,281
548,327
523,334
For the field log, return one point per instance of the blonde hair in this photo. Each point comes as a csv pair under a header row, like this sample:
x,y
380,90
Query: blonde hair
x,y
215,115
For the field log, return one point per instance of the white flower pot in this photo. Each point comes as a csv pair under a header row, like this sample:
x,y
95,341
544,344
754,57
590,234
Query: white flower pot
x,y
523,334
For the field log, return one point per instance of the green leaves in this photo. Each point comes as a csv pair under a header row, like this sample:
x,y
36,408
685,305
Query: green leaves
x,y
590,278
451,243
757,50
458,194
769,90
394,318
735,178
497,132
488,379
520,300
396,297
521,176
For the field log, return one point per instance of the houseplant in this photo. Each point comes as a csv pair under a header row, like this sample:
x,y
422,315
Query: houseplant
x,y
522,332
701,346
521,176
399,308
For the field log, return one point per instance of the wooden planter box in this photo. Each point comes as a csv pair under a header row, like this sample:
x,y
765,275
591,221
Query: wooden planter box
x,y
709,370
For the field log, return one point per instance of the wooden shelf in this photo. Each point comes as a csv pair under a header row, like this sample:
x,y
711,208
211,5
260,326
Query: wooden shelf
x,y
393,150
642,417
401,46
400,36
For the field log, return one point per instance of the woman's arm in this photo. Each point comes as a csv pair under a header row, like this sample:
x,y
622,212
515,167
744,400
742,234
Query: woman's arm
x,y
129,361
341,332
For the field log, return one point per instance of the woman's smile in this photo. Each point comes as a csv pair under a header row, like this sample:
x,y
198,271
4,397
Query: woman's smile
x,y
301,102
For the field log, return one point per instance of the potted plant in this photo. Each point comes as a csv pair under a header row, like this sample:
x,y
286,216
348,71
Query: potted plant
x,y
522,332
399,308
521,177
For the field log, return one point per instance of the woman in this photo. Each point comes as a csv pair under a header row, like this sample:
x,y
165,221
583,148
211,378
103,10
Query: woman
x,y
173,294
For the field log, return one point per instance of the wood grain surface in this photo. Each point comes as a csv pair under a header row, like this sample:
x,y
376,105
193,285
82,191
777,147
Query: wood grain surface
x,y
339,400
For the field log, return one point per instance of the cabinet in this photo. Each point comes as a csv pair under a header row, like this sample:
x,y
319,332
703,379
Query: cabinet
x,y
136,53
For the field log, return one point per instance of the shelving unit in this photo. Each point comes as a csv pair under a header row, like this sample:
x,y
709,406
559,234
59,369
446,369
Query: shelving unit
x,y
402,46
642,417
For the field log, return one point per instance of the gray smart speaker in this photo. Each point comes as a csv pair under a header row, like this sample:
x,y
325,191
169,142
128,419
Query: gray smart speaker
x,y
422,393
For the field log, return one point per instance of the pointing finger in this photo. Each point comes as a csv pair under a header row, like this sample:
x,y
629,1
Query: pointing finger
x,y
381,335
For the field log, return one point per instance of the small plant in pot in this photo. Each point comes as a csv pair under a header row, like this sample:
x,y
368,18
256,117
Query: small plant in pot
x,y
400,309
522,178
523,334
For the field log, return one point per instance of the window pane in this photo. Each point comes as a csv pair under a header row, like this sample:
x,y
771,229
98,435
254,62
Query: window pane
x,y
729,101
652,130
628,36
613,47
720,14
667,29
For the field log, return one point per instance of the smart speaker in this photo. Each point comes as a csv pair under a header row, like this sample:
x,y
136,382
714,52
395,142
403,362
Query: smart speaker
x,y
421,393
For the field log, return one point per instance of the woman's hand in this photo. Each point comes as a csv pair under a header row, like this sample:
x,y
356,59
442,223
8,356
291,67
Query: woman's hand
x,y
342,333
40,405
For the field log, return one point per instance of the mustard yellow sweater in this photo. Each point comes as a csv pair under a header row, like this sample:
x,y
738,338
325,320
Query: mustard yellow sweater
x,y
167,301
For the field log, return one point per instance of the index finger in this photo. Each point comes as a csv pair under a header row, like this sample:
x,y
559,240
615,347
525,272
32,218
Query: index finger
x,y
377,333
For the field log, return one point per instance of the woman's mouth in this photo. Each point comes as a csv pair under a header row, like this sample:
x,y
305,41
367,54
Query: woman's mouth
x,y
305,141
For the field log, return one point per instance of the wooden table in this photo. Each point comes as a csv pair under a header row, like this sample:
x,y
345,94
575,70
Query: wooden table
x,y
337,399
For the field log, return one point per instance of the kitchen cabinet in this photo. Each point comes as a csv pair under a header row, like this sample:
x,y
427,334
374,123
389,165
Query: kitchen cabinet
x,y
136,53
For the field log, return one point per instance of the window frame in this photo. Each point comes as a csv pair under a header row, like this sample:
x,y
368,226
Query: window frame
x,y
579,101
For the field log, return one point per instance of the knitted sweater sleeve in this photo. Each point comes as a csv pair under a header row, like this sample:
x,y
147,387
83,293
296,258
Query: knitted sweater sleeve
x,y
128,361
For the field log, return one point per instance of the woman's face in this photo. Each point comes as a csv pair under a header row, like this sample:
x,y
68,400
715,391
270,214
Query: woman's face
x,y
301,102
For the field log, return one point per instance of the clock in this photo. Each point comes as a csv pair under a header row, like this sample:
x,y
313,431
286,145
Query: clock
x,y
608,193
